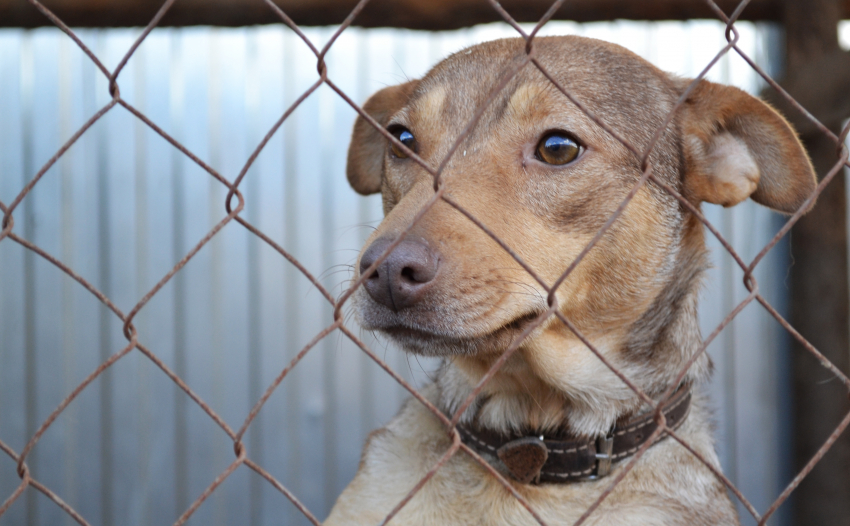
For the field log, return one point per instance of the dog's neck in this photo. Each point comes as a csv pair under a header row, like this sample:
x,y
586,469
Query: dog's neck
x,y
517,399
555,383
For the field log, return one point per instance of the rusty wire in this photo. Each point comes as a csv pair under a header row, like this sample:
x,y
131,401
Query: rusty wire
x,y
231,213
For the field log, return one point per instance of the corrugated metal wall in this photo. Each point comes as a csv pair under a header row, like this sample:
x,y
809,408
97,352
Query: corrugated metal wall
x,y
122,207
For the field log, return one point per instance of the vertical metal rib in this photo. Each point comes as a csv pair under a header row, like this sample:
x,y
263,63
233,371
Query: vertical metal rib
x,y
181,447
252,194
105,271
291,321
30,350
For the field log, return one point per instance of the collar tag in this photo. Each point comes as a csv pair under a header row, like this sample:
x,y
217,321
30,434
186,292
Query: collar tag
x,y
524,458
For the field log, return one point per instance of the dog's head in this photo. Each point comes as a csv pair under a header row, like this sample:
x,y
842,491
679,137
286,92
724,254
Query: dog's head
x,y
543,177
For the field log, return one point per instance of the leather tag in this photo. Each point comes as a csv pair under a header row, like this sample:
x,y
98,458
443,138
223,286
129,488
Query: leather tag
x,y
524,458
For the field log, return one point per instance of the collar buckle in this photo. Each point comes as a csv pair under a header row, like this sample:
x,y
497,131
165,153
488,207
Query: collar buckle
x,y
604,457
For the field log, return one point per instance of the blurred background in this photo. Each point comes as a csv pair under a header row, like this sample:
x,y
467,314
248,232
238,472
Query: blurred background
x,y
122,206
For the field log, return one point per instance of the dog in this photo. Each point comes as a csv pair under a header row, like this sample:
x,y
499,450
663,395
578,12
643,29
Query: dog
x,y
545,177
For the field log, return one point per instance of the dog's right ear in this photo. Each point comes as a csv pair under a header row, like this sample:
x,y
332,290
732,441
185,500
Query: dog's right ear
x,y
368,146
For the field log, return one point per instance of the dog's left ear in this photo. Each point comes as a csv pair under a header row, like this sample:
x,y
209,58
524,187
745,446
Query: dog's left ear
x,y
736,146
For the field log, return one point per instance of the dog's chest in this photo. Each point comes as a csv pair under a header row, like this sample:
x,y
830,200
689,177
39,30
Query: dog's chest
x,y
462,492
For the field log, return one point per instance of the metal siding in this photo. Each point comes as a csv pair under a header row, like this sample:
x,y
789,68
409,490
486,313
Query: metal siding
x,y
123,206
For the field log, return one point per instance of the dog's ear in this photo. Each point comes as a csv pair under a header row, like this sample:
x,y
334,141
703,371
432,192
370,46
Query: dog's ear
x,y
736,146
368,146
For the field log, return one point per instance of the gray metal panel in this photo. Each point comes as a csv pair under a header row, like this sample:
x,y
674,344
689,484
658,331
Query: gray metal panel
x,y
123,206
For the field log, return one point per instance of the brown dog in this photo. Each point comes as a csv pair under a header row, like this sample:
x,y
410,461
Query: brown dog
x,y
544,178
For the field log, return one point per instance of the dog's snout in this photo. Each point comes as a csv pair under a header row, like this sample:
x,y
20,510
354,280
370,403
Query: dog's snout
x,y
404,277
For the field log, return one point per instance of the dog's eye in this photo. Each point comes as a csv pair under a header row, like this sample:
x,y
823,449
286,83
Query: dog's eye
x,y
406,138
557,148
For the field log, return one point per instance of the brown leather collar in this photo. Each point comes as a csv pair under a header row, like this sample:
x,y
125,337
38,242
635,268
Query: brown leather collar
x,y
532,458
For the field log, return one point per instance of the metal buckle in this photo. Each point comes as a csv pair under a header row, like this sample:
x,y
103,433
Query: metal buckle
x,y
604,448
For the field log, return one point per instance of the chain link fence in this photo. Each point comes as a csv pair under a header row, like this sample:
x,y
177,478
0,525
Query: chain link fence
x,y
233,209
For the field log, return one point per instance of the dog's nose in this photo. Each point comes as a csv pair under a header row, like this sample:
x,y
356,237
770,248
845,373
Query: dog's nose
x,y
402,279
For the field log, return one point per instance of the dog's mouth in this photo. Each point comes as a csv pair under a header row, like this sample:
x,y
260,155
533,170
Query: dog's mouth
x,y
428,342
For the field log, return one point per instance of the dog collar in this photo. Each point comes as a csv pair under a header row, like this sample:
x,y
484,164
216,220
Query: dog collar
x,y
533,458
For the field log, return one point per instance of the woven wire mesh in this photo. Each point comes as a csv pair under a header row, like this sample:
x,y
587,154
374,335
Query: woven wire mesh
x,y
232,212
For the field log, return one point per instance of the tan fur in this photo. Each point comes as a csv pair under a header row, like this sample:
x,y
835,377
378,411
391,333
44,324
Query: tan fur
x,y
634,295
